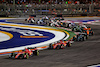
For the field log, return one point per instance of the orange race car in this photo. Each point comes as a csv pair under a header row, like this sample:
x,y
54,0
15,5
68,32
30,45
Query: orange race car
x,y
88,31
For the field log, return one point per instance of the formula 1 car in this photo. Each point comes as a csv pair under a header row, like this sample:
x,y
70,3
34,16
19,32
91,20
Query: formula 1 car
x,y
53,23
25,54
60,45
30,19
88,31
80,37
77,29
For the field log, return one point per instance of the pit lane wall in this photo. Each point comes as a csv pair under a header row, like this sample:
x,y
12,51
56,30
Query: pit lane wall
x,y
16,30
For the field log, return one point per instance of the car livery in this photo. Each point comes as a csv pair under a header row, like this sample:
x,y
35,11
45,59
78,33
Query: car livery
x,y
60,44
24,54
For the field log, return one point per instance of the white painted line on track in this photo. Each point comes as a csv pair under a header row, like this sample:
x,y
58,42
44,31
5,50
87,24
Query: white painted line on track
x,y
94,65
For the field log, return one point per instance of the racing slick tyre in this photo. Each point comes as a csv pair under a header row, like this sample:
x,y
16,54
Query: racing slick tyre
x,y
86,36
64,25
12,55
25,19
74,38
27,56
91,34
58,47
50,46
83,38
21,56
77,38
72,29
69,44
61,46
36,53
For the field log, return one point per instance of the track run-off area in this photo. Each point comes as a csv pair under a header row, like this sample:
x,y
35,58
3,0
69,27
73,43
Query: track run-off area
x,y
80,54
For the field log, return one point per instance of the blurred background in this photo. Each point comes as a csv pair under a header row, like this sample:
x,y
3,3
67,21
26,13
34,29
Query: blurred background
x,y
22,8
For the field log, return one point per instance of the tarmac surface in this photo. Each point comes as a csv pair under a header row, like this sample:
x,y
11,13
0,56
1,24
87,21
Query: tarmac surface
x,y
80,54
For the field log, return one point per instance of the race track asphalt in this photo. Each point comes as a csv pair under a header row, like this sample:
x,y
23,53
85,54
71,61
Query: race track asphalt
x,y
80,54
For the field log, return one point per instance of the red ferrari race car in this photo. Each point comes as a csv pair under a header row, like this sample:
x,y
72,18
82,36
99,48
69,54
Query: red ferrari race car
x,y
25,54
60,45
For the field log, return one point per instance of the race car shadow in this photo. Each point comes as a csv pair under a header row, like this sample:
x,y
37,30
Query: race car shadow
x,y
32,57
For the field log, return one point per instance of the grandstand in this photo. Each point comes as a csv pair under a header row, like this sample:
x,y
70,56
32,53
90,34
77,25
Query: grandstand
x,y
52,7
